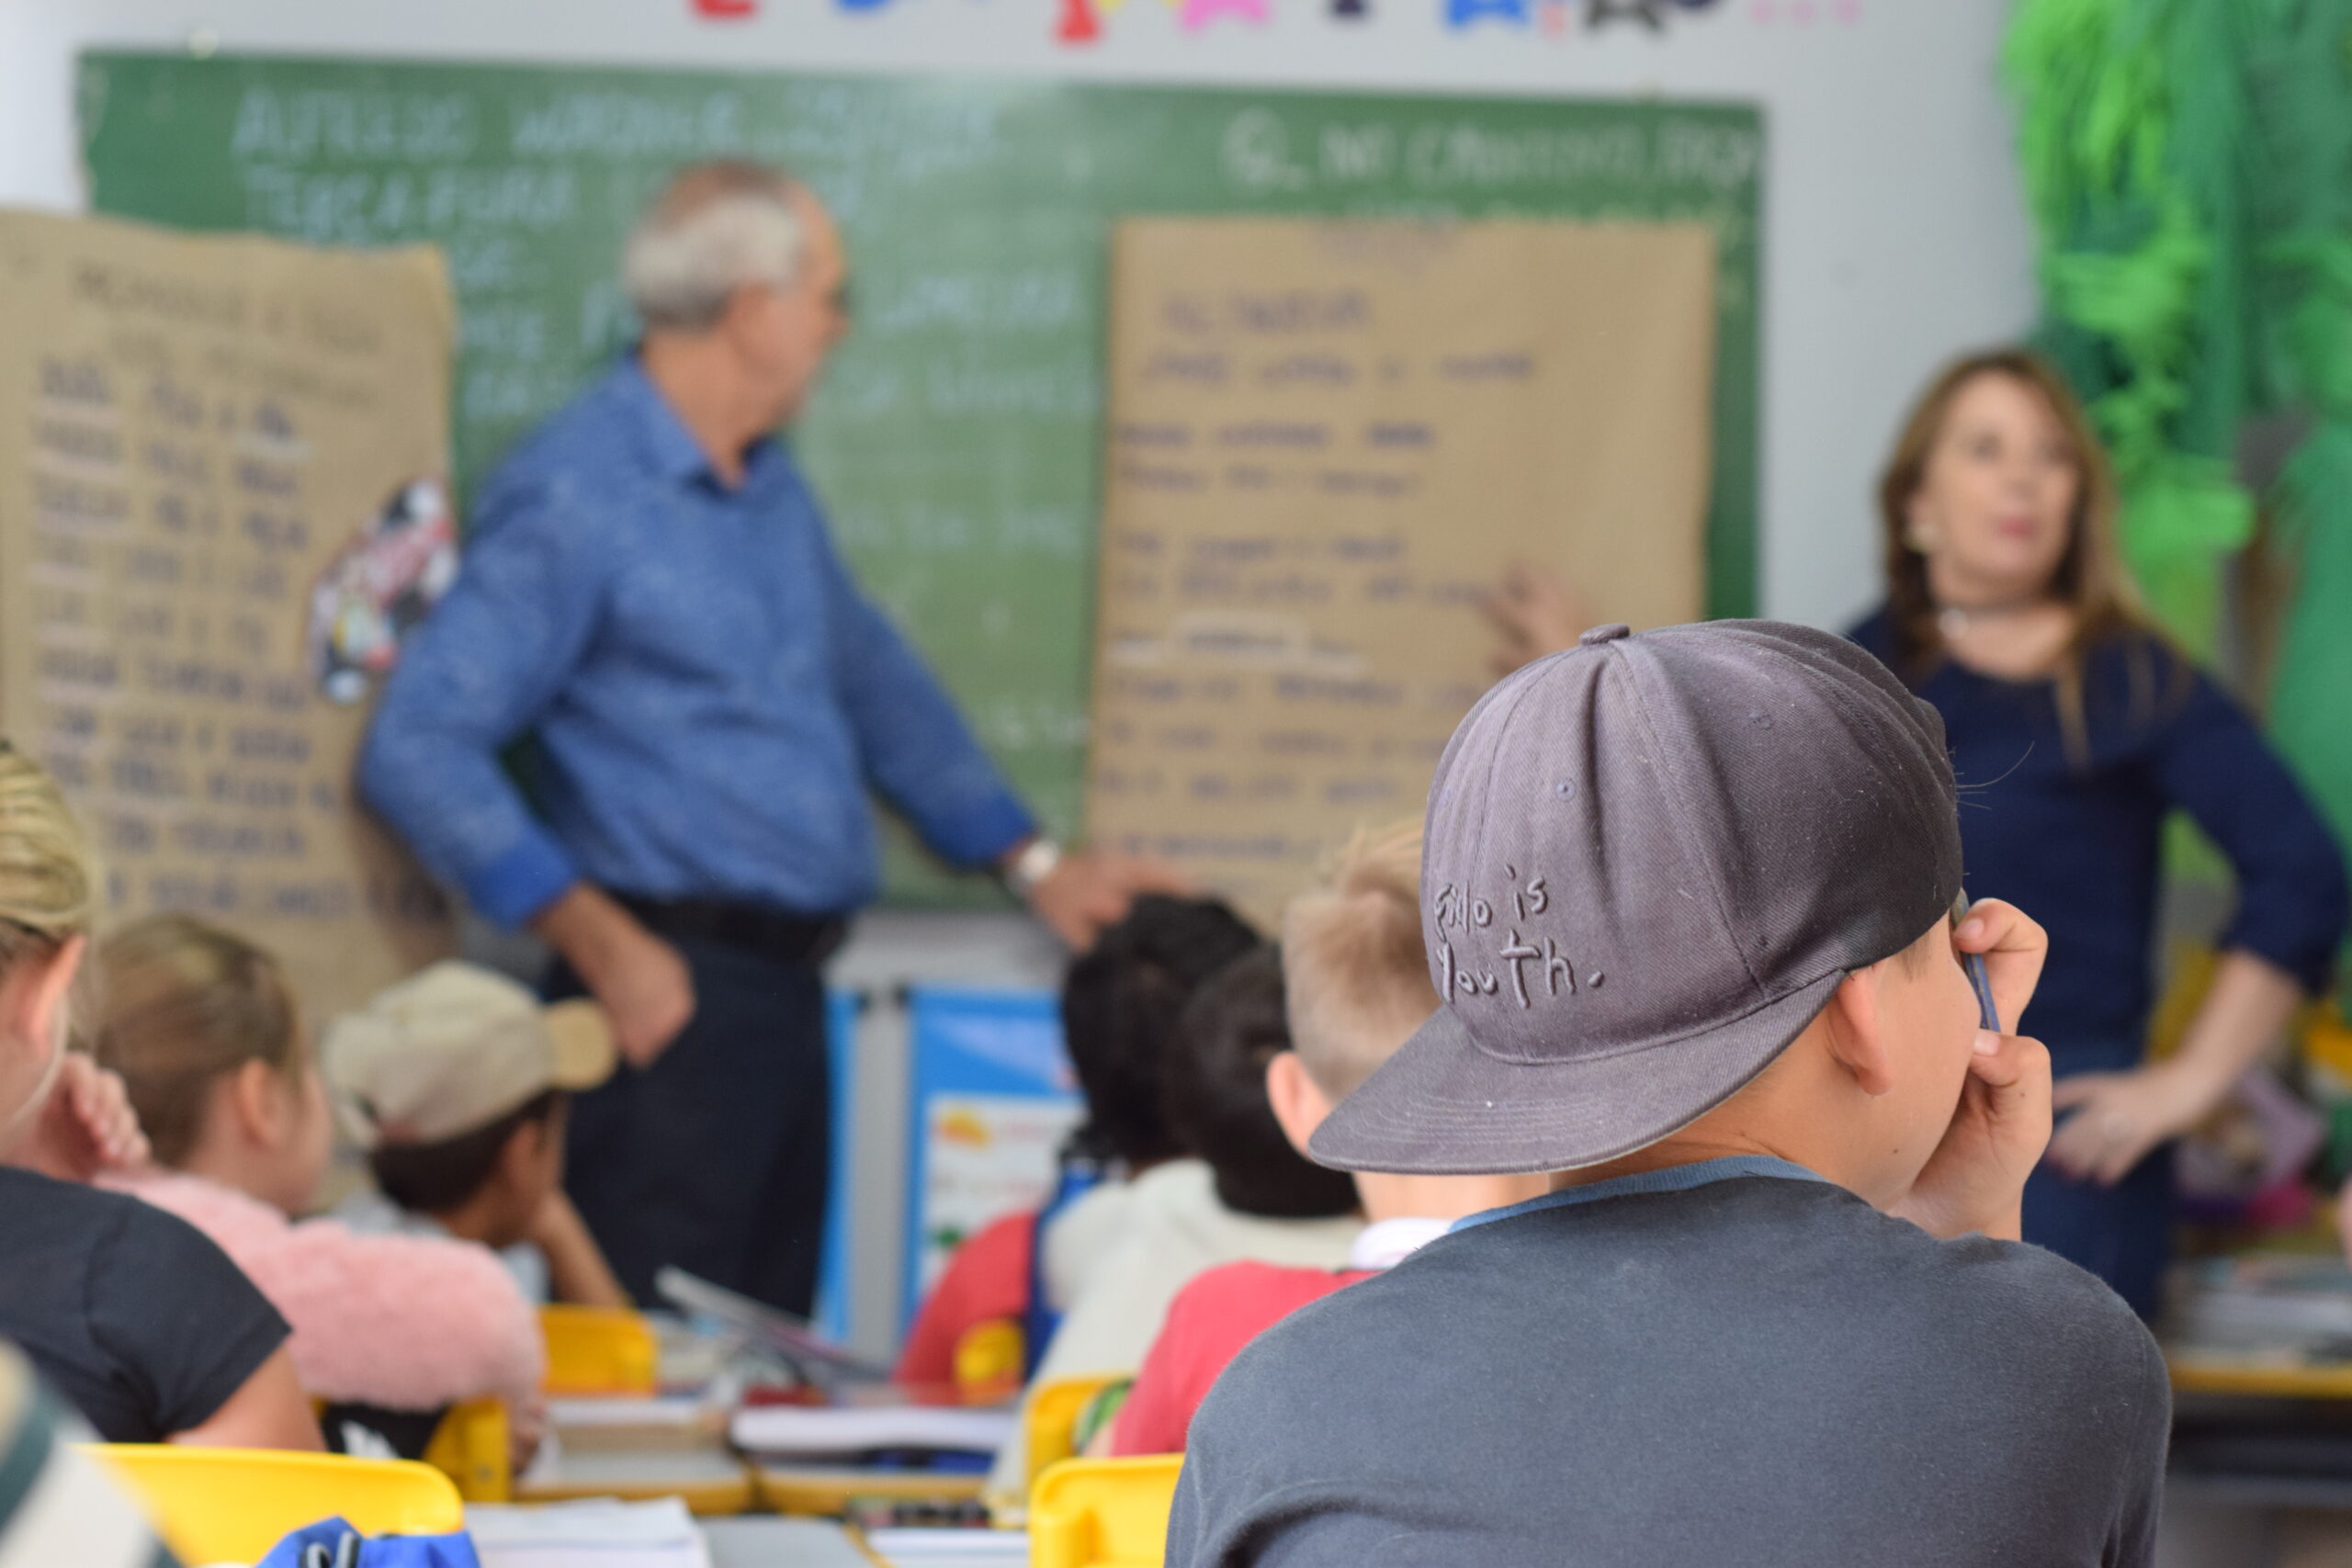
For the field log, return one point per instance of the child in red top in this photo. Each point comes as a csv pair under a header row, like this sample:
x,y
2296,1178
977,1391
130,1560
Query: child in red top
x,y
986,1279
1355,986
1120,1002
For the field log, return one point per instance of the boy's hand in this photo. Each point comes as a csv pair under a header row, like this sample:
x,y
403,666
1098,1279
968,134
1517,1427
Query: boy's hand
x,y
86,1128
577,1272
1975,1179
2014,947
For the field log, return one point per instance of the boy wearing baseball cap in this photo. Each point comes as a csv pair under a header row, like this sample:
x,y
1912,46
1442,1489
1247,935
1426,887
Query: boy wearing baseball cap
x,y
457,1083
1687,897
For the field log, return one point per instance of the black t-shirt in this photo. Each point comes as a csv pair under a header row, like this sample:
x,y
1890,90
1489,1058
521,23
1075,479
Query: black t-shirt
x,y
132,1314
1758,1369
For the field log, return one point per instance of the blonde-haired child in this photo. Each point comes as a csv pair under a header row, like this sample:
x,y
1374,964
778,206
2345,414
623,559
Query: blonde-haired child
x,y
1355,983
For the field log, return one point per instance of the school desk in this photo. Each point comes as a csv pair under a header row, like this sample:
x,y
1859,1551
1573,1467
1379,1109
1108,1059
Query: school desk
x,y
2258,1432
763,1541
709,1480
828,1489
2257,1375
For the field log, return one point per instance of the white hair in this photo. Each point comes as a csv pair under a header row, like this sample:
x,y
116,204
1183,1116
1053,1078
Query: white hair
x,y
714,229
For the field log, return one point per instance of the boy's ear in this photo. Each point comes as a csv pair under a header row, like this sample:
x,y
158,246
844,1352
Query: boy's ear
x,y
518,1161
1856,1036
1299,1106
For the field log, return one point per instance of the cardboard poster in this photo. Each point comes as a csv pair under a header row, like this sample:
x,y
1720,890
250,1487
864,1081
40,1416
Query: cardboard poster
x,y
223,500
1326,442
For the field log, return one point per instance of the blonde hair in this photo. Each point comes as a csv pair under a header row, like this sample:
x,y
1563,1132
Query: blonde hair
x,y
1356,975
2091,580
184,1002
48,886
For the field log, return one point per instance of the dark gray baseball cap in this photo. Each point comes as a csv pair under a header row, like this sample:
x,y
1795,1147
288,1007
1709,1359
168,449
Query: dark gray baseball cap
x,y
1649,862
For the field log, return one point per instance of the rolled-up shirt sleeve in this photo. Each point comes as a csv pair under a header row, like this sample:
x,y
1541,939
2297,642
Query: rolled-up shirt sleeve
x,y
915,747
2293,904
476,676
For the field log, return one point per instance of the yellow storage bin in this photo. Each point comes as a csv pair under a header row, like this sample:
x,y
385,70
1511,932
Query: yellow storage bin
x,y
234,1505
593,1350
1103,1513
470,1446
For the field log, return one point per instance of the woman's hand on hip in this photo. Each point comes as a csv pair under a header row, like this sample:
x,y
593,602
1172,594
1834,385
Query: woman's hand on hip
x,y
2117,1118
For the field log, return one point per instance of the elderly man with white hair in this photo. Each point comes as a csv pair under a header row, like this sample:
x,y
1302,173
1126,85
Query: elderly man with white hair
x,y
650,595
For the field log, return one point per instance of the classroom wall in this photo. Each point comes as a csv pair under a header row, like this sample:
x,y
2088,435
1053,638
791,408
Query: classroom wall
x,y
1894,237
1895,232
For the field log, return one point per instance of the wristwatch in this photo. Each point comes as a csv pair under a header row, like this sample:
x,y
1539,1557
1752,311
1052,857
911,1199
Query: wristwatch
x,y
1035,862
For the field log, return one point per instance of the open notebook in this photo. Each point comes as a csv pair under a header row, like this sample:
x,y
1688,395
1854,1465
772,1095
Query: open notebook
x,y
608,1533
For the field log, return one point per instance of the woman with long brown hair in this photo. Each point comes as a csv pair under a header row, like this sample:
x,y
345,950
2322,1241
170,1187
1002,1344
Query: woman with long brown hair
x,y
2076,728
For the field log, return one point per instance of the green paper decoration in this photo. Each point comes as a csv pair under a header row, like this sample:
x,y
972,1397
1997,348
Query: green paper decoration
x,y
2188,163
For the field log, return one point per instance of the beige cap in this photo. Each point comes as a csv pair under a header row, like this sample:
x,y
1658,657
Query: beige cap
x,y
452,1049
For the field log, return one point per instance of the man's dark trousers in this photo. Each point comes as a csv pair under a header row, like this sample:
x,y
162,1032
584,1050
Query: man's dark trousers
x,y
714,1157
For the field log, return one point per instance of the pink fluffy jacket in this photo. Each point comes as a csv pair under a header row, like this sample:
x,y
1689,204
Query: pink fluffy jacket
x,y
406,1322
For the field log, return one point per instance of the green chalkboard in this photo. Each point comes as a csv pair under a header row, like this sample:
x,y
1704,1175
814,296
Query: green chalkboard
x,y
955,439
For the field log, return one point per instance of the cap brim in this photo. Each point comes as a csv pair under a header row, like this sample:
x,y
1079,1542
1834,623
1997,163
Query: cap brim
x,y
1442,1107
583,1040
358,1129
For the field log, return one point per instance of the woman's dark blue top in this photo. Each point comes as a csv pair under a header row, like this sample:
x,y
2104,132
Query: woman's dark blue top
x,y
2078,847
2075,843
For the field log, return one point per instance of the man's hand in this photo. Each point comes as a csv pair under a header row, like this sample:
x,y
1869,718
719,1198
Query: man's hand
x,y
1535,613
1092,888
640,981
85,1128
1975,1179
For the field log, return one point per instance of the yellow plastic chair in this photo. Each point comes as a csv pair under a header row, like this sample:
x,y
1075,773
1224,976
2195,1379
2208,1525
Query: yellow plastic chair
x,y
1050,1428
470,1447
234,1505
599,1350
1103,1513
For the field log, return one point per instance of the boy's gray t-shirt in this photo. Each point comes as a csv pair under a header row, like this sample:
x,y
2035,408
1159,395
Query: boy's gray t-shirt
x,y
1726,1362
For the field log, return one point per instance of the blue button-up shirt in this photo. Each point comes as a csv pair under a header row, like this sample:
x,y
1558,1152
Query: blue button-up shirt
x,y
710,692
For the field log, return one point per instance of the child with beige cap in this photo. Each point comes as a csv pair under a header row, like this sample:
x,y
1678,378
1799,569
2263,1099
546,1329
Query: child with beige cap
x,y
457,1082
204,1030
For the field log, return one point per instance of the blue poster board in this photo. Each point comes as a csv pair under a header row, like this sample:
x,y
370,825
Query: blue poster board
x,y
832,1317
991,1098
